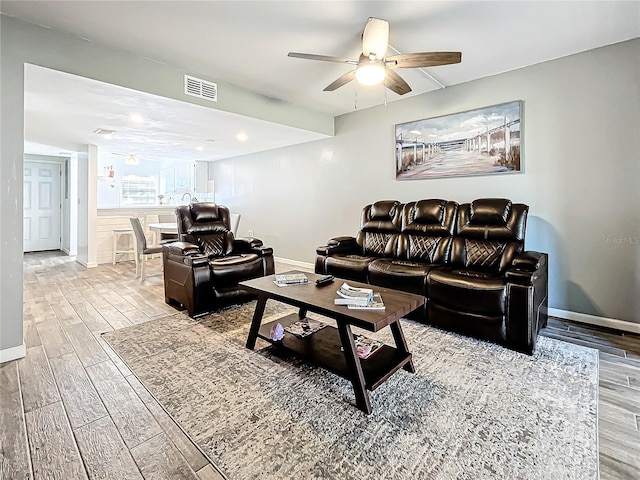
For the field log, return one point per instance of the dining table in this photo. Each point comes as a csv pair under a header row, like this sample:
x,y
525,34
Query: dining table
x,y
169,227
160,228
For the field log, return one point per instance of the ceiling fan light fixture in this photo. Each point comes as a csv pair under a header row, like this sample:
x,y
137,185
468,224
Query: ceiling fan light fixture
x,y
374,67
370,73
132,160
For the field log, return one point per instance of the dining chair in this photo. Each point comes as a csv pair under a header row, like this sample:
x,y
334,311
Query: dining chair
x,y
142,250
167,218
235,221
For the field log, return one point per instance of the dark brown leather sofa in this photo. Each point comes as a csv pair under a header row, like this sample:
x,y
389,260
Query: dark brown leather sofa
x,y
468,261
202,270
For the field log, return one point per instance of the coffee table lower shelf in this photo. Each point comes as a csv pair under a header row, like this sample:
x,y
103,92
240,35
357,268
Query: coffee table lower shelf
x,y
324,349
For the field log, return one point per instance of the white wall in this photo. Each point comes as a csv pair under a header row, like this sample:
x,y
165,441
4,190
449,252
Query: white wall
x,y
581,125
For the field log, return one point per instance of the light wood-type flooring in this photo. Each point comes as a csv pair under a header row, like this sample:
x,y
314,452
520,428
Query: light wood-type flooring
x,y
71,409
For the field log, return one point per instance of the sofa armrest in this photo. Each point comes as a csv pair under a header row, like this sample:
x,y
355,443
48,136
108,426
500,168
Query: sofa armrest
x,y
338,245
527,292
530,261
526,268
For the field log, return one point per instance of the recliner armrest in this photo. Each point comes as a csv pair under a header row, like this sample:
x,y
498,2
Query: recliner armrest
x,y
181,248
185,253
250,245
338,245
251,241
529,261
262,251
527,291
526,268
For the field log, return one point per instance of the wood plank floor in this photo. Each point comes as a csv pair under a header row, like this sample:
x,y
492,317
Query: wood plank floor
x,y
71,409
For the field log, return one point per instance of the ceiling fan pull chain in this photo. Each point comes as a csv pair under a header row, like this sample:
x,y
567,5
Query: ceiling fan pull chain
x,y
355,96
385,91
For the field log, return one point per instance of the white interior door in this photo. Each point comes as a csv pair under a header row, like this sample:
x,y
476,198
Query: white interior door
x,y
42,206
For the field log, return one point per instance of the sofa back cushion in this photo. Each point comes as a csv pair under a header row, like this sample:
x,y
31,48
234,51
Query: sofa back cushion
x,y
489,234
427,229
380,226
492,219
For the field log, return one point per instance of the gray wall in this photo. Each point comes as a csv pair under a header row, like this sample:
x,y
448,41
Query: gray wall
x,y
21,43
582,175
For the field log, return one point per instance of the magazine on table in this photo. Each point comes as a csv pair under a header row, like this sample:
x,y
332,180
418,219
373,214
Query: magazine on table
x,y
375,303
365,347
291,278
304,327
353,295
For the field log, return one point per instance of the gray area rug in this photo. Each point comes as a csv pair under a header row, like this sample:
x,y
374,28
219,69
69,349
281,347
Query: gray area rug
x,y
472,410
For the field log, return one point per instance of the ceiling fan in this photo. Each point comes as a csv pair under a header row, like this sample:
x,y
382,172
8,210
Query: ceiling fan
x,y
373,67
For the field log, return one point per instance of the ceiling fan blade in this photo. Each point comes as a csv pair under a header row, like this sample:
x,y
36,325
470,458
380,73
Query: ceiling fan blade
x,y
396,83
375,37
343,80
423,59
323,58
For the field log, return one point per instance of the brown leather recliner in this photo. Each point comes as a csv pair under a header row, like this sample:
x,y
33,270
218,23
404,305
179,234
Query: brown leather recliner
x,y
203,269
349,257
492,289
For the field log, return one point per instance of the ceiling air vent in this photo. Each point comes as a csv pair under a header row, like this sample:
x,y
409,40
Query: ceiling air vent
x,y
197,87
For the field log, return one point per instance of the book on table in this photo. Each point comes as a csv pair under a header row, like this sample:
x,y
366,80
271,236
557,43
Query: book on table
x,y
305,327
375,303
353,295
290,278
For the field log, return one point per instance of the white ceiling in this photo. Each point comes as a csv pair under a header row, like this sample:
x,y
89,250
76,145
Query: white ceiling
x,y
246,43
62,112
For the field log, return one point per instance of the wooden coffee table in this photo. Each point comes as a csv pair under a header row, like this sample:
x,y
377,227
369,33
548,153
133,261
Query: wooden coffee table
x,y
324,346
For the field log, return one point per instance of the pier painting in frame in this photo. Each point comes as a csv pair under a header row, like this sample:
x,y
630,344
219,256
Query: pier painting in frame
x,y
484,141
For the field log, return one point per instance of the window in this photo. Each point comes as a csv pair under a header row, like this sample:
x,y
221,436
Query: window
x,y
139,190
150,183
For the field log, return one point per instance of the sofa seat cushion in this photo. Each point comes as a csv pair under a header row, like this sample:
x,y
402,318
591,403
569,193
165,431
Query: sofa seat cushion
x,y
228,271
350,267
404,275
482,293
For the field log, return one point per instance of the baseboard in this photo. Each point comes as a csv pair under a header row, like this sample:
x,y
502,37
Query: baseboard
x,y
295,263
13,353
595,320
86,264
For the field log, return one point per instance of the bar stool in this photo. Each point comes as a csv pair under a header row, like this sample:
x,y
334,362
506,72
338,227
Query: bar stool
x,y
117,234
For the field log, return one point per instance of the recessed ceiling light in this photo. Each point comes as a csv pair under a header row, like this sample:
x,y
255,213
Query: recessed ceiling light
x,y
137,118
199,148
242,137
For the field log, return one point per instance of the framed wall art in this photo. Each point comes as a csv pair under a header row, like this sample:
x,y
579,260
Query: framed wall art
x,y
485,141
